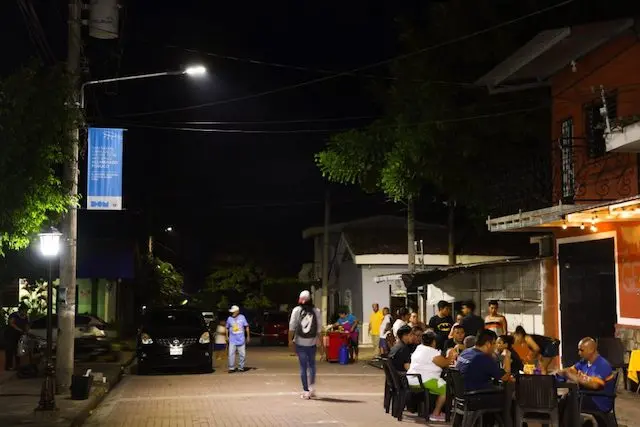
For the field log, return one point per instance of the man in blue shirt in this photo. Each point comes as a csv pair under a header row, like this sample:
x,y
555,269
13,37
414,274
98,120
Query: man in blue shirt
x,y
237,325
592,372
477,365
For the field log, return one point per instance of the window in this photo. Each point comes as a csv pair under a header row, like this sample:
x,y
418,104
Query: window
x,y
596,123
566,145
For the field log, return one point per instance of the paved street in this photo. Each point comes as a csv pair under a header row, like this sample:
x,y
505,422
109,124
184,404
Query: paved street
x,y
265,396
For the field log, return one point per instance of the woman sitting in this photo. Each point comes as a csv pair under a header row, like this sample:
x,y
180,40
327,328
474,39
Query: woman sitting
x,y
504,347
427,361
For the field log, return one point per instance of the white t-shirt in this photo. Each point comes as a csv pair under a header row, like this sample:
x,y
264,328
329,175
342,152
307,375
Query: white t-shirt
x,y
397,325
422,363
293,324
221,335
383,326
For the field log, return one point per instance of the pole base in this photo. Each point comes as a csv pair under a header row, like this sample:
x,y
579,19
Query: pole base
x,y
47,392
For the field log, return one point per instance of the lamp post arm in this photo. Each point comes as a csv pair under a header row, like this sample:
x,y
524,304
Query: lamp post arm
x,y
120,79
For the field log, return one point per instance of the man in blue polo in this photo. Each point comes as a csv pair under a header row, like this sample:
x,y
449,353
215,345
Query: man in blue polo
x,y
592,372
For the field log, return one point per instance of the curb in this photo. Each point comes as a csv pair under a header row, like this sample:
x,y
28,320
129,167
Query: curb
x,y
6,378
86,412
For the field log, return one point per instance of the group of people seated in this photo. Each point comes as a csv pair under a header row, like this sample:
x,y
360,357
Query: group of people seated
x,y
485,358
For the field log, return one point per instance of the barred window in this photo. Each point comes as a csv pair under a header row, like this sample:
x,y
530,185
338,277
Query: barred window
x,y
596,124
566,145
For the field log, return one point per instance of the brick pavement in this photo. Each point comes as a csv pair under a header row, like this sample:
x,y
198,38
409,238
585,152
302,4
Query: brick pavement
x,y
266,396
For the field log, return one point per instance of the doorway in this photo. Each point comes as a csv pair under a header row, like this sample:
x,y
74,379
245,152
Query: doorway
x,y
588,303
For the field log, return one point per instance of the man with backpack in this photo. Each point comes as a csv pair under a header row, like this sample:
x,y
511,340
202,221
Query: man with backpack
x,y
305,334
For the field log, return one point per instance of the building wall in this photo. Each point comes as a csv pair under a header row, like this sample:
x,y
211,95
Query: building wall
x,y
373,292
503,283
627,244
612,175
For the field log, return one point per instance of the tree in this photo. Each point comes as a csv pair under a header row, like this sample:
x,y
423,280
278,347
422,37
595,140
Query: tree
x,y
234,282
425,139
165,285
36,114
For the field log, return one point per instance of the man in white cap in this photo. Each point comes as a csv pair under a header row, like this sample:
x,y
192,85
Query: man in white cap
x,y
237,325
305,334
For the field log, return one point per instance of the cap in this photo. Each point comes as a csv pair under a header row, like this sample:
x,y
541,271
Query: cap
x,y
304,297
234,309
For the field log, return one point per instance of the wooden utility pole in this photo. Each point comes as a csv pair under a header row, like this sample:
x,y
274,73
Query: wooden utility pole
x,y
451,205
325,258
411,235
68,258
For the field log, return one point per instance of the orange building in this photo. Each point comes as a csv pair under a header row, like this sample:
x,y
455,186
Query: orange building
x,y
591,284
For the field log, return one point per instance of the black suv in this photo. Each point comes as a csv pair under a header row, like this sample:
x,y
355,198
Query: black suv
x,y
174,337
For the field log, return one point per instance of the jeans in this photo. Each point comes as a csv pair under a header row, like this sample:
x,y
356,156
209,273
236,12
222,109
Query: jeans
x,y
307,359
242,353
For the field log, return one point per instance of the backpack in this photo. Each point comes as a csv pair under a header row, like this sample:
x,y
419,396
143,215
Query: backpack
x,y
307,326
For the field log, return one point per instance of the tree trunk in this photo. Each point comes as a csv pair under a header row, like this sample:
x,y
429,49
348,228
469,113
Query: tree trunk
x,y
452,231
411,235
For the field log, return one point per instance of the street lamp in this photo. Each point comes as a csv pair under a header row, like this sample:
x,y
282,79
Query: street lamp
x,y
192,71
49,248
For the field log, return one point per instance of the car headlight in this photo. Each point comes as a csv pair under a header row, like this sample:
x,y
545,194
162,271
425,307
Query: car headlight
x,y
205,338
146,339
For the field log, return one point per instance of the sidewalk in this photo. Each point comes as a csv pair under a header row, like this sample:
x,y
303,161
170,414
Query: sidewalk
x,y
19,397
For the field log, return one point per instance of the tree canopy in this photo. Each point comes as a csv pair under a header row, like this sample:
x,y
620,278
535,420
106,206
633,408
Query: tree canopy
x,y
36,117
438,132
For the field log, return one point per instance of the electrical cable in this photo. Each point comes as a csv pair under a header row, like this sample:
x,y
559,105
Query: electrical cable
x,y
355,70
298,131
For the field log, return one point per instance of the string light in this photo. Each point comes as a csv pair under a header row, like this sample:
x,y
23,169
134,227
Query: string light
x,y
582,226
593,228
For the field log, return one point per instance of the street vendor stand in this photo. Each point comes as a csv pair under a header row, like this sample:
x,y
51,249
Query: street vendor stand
x,y
333,340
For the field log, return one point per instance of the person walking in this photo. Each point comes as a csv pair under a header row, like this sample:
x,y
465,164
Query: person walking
x,y
305,334
17,325
237,326
375,320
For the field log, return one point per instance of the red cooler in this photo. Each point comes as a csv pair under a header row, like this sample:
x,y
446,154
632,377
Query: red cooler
x,y
333,342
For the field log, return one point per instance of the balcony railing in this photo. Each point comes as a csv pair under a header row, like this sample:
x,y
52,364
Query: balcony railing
x,y
624,136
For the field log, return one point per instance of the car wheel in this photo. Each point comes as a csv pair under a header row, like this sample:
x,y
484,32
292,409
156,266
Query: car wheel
x,y
142,369
207,369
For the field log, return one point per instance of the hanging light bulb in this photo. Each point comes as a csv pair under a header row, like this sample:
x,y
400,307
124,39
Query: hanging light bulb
x,y
564,225
582,226
593,228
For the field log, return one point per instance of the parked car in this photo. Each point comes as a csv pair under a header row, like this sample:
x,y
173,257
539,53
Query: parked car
x,y
87,327
275,328
174,337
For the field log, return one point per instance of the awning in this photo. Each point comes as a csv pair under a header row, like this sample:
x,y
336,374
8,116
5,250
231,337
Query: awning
x,y
413,281
626,209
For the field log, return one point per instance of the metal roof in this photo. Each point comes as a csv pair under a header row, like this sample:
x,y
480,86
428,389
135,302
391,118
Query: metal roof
x,y
548,52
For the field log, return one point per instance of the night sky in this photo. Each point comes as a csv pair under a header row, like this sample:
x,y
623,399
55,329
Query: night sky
x,y
247,193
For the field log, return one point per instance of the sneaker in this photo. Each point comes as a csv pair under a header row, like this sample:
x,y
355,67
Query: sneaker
x,y
242,370
305,395
437,418
312,391
231,371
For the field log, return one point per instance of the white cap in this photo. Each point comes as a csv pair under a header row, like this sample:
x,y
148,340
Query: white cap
x,y
234,309
304,297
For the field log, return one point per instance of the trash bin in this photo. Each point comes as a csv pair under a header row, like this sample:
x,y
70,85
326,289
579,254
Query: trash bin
x,y
81,386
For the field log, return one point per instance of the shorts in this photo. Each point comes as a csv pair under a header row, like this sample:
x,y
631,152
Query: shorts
x,y
382,343
549,347
219,347
435,386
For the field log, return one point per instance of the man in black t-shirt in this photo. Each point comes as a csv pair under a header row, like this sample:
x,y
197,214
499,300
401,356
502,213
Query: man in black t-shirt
x,y
441,323
472,323
400,353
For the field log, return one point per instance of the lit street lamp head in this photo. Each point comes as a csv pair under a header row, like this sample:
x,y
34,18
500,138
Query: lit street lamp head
x,y
50,243
194,71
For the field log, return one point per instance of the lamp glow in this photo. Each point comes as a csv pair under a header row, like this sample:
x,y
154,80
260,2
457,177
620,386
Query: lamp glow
x,y
197,70
50,243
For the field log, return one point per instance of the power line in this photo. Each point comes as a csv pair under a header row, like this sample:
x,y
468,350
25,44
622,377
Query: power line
x,y
314,70
300,131
278,122
355,70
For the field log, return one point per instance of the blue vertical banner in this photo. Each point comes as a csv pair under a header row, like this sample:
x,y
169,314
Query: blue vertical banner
x,y
104,175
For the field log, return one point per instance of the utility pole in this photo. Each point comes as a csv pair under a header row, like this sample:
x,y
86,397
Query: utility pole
x,y
67,290
325,258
